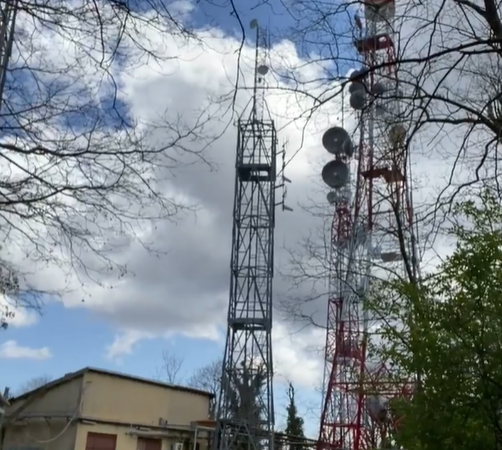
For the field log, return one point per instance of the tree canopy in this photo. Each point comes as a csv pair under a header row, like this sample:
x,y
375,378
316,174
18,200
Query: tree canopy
x,y
449,337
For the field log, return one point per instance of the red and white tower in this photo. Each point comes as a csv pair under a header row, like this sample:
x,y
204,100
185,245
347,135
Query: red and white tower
x,y
371,231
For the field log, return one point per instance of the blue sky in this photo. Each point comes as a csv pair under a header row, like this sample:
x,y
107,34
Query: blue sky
x,y
84,343
79,336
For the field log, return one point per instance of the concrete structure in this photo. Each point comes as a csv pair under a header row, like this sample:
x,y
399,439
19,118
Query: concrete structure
x,y
95,409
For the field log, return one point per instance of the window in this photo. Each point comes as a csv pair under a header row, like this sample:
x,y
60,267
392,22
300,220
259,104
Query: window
x,y
101,441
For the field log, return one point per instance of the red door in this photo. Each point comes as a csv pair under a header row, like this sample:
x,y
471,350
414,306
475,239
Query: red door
x,y
149,444
101,441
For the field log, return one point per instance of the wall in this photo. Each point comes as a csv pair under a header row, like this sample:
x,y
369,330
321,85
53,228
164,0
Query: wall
x,y
125,441
59,400
130,402
51,435
46,420
186,407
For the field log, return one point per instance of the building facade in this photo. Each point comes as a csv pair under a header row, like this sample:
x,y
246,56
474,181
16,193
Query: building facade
x,y
94,409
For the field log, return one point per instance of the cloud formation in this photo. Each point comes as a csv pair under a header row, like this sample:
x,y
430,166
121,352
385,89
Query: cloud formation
x,y
184,289
12,350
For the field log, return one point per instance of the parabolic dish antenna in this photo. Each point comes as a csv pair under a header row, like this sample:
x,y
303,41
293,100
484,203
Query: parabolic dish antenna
x,y
337,141
335,174
331,197
356,86
262,70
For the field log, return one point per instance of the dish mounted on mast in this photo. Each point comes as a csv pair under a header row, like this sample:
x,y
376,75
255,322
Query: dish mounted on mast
x,y
337,142
336,173
358,386
261,68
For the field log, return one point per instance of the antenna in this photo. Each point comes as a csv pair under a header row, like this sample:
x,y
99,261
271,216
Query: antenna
x,y
370,194
283,186
261,69
247,370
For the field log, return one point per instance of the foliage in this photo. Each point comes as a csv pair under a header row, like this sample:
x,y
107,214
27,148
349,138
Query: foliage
x,y
294,424
243,398
236,396
244,395
448,332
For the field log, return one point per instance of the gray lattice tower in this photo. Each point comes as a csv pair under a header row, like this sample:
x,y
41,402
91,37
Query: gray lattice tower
x,y
246,409
8,10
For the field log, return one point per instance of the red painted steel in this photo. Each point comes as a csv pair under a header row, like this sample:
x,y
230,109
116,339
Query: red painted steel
x,y
352,382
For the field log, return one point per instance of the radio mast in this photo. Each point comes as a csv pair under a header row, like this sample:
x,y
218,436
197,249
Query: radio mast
x,y
369,178
246,405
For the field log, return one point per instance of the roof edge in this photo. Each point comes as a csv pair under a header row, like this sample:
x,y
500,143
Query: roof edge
x,y
81,372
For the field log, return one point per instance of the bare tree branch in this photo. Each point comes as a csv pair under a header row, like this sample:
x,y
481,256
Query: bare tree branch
x,y
208,378
33,384
80,175
171,368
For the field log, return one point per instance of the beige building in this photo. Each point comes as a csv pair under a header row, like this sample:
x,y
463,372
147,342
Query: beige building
x,y
95,409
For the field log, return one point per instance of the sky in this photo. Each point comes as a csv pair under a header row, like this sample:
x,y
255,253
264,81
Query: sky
x,y
177,300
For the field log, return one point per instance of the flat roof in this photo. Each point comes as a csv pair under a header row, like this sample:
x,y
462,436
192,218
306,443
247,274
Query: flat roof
x,y
72,375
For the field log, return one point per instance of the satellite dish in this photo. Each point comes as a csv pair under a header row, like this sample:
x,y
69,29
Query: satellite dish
x,y
361,73
379,88
254,24
332,197
356,86
354,75
335,174
357,99
337,141
262,70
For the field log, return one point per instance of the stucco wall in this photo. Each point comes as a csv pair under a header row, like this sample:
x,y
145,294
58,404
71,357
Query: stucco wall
x,y
186,407
62,399
123,402
125,441
130,402
51,435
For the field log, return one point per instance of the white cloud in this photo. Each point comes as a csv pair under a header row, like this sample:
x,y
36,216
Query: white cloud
x,y
11,350
124,343
298,357
186,290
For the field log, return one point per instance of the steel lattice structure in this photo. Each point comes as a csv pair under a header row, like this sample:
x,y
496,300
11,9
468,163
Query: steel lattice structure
x,y
8,10
246,408
372,225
